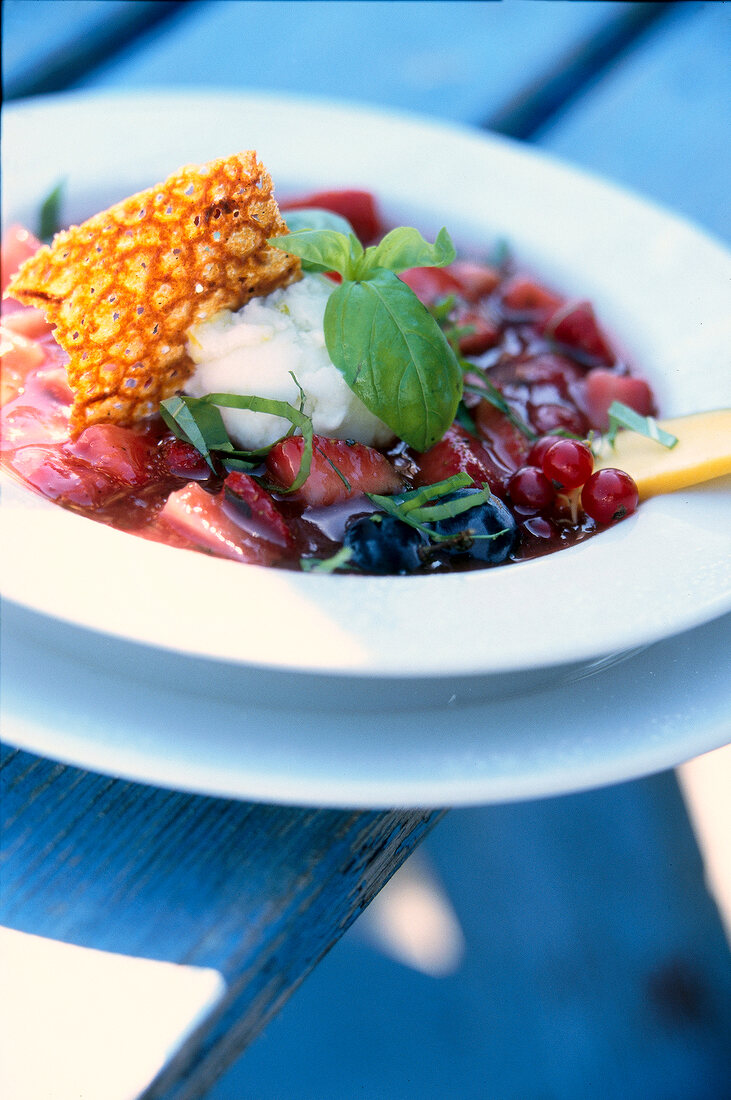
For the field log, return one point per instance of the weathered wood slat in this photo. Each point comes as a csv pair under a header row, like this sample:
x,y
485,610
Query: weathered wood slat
x,y
49,45
594,967
457,60
658,119
260,893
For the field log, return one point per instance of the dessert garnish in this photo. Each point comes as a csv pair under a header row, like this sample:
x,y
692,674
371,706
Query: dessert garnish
x,y
290,394
384,341
123,288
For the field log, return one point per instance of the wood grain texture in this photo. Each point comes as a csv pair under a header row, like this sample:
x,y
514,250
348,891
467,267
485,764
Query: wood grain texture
x,y
258,892
657,118
48,45
261,892
457,59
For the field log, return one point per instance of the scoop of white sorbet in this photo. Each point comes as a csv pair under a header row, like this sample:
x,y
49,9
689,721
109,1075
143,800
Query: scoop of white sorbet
x,y
257,350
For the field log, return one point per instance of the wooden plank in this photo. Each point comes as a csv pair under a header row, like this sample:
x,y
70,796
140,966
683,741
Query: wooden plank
x,y
456,60
259,893
594,966
49,45
658,120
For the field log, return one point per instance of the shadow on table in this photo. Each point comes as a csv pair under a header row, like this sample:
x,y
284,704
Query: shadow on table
x,y
594,965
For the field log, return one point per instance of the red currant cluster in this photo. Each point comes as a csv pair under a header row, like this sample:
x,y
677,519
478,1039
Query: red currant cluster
x,y
564,466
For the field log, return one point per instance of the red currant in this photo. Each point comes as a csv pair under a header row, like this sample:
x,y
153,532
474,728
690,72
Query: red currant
x,y
530,487
538,450
568,463
609,495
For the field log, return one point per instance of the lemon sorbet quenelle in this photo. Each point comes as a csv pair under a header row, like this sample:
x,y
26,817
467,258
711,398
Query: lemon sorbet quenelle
x,y
299,385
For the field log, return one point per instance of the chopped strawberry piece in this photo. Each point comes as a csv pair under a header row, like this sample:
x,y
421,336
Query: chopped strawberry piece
x,y
199,517
484,334
547,369
359,207
40,411
523,295
25,320
18,356
340,469
475,280
18,245
103,462
122,454
61,477
504,441
181,459
429,284
546,418
601,387
253,508
575,326
25,425
460,452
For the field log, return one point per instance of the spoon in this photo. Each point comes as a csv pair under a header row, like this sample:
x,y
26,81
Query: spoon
x,y
703,452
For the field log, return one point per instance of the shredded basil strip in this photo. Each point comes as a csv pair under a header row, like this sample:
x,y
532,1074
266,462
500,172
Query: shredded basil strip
x,y
49,216
487,390
198,421
415,498
622,416
452,508
327,565
418,508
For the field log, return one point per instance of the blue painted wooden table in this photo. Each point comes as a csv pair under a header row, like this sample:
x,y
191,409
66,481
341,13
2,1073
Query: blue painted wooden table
x,y
596,962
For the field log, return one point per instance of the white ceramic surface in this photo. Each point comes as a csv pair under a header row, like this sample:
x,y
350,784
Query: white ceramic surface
x,y
657,283
652,711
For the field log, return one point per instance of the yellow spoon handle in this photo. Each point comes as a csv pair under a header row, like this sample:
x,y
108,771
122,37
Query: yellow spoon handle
x,y
703,452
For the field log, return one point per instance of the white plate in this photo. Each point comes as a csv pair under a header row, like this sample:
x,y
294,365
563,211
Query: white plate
x,y
658,284
652,711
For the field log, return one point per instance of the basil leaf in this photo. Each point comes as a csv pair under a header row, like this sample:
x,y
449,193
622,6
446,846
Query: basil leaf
x,y
415,498
327,565
403,248
296,418
49,218
447,510
484,388
394,356
315,217
198,421
416,507
320,249
235,462
622,416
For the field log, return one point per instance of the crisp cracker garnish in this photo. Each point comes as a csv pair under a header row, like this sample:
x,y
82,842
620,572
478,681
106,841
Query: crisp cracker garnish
x,y
123,288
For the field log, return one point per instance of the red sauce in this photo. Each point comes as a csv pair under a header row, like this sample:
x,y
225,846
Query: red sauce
x,y
547,357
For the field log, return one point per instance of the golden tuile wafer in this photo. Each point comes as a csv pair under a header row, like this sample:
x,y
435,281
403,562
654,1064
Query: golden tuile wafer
x,y
123,288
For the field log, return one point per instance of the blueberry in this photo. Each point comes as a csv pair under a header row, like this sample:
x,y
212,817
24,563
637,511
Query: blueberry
x,y
383,544
487,518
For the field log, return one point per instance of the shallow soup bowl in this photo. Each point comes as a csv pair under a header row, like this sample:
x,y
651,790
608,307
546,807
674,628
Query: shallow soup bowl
x,y
141,619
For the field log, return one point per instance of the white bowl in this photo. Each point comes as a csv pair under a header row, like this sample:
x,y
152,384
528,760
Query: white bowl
x,y
284,639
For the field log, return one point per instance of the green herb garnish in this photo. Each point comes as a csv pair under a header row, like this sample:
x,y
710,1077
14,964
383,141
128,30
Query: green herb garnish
x,y
327,565
198,421
386,344
622,416
419,507
481,386
49,216
315,217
